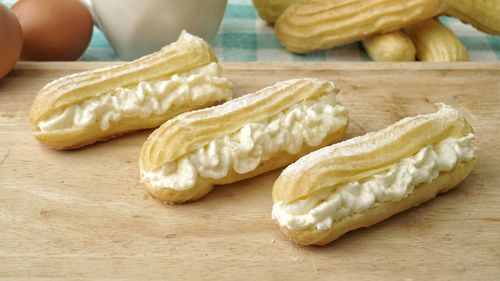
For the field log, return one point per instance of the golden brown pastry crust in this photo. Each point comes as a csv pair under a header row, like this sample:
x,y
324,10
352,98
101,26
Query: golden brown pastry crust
x,y
314,25
192,130
270,10
437,43
482,14
391,46
204,186
189,52
80,137
177,57
365,156
421,194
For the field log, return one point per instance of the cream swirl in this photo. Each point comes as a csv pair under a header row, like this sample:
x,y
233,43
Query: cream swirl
x,y
148,98
324,208
308,122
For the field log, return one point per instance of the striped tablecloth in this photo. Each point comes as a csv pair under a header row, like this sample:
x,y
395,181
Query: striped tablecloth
x,y
243,36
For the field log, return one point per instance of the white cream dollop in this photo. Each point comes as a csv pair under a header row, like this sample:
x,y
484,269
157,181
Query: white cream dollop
x,y
324,208
308,122
148,98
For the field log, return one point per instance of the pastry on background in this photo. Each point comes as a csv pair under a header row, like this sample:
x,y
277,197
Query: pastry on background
x,y
364,180
270,10
391,46
184,158
315,25
482,14
436,43
87,107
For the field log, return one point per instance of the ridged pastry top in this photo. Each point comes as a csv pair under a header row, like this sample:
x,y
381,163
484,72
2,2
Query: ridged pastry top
x,y
186,53
326,207
192,130
320,24
367,155
270,10
147,99
435,42
308,122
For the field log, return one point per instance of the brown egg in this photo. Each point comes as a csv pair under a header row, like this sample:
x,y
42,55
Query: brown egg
x,y
11,40
54,29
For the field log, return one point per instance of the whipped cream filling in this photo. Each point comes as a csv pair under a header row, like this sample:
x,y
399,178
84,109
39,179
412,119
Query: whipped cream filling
x,y
322,209
308,122
148,98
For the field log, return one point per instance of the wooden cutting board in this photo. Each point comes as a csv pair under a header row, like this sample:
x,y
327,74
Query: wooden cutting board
x,y
83,215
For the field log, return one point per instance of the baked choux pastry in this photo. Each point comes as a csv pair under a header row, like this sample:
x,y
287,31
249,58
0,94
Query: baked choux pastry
x,y
391,46
242,138
364,180
436,43
270,10
482,14
313,25
95,105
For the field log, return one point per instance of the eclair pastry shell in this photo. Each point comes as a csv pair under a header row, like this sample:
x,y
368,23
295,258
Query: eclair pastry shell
x,y
78,137
188,53
192,130
314,25
359,158
203,187
366,155
421,194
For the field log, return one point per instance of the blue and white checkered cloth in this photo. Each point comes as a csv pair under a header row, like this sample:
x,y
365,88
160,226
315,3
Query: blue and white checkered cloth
x,y
243,36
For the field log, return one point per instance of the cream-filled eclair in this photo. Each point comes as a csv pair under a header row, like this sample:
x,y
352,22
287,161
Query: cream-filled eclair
x,y
86,107
364,180
242,138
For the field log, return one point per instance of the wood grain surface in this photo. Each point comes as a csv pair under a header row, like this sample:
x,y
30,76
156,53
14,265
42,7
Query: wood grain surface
x,y
83,215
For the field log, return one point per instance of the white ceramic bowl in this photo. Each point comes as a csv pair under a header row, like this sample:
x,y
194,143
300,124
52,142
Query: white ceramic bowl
x,y
138,27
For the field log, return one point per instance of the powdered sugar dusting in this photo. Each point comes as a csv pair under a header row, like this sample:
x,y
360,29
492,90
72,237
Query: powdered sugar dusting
x,y
357,145
108,72
249,99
